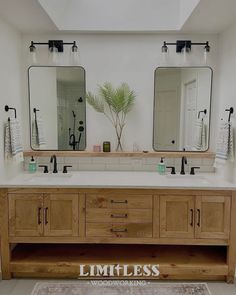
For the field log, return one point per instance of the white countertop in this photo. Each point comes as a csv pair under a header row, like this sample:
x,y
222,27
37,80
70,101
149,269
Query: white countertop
x,y
114,179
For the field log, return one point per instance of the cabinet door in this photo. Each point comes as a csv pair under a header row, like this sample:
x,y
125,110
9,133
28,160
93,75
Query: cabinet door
x,y
176,216
61,215
212,217
26,215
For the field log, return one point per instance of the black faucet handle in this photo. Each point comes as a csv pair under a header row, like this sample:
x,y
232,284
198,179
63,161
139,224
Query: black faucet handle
x,y
172,169
192,170
45,170
65,168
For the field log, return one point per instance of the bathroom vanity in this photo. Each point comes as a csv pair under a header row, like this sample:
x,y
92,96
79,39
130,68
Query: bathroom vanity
x,y
49,230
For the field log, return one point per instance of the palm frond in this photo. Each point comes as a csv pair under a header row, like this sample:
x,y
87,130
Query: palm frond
x,y
107,92
95,102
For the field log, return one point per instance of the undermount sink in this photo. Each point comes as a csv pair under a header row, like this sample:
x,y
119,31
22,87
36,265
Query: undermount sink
x,y
187,177
49,177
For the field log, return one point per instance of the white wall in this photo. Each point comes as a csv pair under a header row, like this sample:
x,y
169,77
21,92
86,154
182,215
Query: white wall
x,y
117,58
227,87
10,85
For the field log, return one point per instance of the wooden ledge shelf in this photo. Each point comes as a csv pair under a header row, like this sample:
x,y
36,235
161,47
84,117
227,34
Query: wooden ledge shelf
x,y
150,154
175,262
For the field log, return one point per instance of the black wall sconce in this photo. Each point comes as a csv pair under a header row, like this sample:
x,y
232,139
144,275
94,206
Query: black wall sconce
x,y
54,46
185,46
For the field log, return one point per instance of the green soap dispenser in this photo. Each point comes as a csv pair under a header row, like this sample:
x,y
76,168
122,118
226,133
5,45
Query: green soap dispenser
x,y
161,166
32,165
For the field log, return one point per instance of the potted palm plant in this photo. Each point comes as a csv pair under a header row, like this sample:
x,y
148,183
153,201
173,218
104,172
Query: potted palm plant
x,y
115,104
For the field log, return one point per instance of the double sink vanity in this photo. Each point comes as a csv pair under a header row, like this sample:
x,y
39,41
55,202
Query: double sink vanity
x,y
53,223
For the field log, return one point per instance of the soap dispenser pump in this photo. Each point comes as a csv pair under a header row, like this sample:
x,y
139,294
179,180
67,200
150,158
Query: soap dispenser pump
x,y
32,165
161,166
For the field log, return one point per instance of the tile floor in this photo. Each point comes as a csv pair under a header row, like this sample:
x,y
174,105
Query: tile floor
x,y
25,287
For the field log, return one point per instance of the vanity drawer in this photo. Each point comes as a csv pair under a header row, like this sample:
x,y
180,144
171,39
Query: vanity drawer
x,y
119,215
118,201
119,230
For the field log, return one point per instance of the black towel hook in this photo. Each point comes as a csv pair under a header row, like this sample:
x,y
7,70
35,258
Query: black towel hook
x,y
35,112
204,111
231,111
7,108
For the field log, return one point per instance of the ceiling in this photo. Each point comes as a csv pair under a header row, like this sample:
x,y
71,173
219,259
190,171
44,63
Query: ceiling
x,y
202,16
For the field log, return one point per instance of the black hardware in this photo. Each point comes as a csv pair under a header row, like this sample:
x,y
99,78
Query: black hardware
x,y
59,44
7,108
172,169
81,128
204,111
119,202
180,44
231,111
39,215
81,122
199,217
119,215
80,99
191,222
45,168
46,215
35,113
119,230
65,168
173,141
54,158
183,161
192,171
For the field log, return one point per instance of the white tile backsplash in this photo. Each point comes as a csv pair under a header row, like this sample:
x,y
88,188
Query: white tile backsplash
x,y
123,163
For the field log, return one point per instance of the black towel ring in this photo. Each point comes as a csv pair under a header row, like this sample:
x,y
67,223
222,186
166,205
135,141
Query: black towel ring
x,y
204,111
231,111
7,108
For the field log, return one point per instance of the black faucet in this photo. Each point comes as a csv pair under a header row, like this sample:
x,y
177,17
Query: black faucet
x,y
53,157
183,161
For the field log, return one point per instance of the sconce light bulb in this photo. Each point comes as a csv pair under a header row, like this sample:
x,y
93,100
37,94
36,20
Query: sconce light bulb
x,y
53,55
32,54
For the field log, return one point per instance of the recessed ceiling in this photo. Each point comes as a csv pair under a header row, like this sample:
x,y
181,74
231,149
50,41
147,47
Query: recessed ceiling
x,y
202,16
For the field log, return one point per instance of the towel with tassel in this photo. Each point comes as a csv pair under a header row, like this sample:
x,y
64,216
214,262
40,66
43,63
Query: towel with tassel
x,y
13,143
200,140
225,144
38,140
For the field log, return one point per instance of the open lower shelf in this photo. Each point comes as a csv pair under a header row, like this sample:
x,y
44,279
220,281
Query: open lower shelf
x,y
64,260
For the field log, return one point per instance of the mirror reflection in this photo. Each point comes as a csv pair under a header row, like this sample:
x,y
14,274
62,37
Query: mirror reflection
x,y
182,109
57,108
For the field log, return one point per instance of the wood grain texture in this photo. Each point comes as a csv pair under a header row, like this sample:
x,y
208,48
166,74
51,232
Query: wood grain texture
x,y
114,200
26,214
176,216
82,215
62,215
4,235
212,217
119,215
150,154
119,230
232,241
156,216
179,261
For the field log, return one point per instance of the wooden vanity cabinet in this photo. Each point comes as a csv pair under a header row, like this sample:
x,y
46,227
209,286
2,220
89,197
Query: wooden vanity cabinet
x,y
200,217
190,234
49,215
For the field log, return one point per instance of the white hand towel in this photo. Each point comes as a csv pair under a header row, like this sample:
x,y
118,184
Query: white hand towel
x,y
225,144
200,136
16,142
7,141
40,132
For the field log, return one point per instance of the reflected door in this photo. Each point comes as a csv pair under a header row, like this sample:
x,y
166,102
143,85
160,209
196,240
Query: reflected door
x,y
190,114
167,121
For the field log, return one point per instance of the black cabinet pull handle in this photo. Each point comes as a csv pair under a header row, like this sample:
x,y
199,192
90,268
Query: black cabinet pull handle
x,y
119,215
46,215
119,202
39,215
199,217
191,222
119,230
